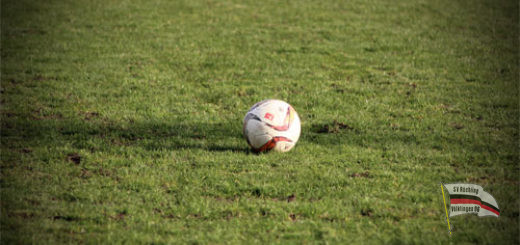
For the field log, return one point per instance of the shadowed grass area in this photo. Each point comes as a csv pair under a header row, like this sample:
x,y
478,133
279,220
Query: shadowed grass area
x,y
121,120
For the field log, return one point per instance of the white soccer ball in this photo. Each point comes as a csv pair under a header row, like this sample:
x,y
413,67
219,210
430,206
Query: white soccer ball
x,y
271,125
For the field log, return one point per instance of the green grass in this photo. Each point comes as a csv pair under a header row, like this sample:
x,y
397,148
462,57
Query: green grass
x,y
121,120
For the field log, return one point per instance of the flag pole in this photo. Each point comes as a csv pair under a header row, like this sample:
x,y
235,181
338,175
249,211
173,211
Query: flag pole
x,y
444,199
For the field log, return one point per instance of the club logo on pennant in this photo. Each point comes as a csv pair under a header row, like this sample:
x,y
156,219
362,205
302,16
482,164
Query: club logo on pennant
x,y
469,199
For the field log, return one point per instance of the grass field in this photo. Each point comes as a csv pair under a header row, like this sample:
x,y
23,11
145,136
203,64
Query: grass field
x,y
121,120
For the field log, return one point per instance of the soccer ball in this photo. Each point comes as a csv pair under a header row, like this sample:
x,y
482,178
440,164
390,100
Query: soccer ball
x,y
271,125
